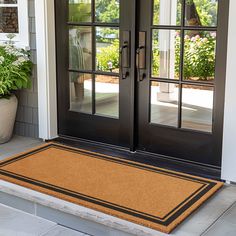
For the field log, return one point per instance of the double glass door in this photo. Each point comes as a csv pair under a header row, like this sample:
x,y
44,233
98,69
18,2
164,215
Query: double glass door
x,y
147,75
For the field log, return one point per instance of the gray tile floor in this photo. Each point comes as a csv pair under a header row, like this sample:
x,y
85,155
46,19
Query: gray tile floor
x,y
217,217
17,223
16,145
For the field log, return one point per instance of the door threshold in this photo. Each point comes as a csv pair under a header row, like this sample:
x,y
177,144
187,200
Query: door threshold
x,y
143,157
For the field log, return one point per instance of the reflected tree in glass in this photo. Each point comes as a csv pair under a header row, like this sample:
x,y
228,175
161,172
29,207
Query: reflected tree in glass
x,y
201,12
80,11
107,11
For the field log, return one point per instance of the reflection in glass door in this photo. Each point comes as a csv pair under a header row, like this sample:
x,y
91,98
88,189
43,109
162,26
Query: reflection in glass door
x,y
94,66
92,92
164,97
178,112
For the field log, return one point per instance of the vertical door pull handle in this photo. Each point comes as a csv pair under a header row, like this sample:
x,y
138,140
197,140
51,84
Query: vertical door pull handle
x,y
125,55
141,57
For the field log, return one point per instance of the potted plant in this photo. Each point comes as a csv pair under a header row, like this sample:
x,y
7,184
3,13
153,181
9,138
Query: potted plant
x,y
15,71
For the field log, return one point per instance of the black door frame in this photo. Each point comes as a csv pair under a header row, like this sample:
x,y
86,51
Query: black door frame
x,y
159,138
98,128
132,96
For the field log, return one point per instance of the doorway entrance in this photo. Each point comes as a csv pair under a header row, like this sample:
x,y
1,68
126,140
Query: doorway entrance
x,y
147,75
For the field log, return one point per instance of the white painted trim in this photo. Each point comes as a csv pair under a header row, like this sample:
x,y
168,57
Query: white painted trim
x,y
22,38
229,137
46,68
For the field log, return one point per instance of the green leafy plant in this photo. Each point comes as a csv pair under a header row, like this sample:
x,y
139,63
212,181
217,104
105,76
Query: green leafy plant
x,y
199,57
108,56
15,69
80,12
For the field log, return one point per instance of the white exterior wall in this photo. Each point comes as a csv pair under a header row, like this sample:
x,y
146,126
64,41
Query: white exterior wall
x,y
229,139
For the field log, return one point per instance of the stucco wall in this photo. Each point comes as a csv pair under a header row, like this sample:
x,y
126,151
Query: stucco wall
x,y
27,115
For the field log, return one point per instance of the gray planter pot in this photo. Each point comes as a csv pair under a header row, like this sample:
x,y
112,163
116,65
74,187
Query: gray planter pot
x,y
8,108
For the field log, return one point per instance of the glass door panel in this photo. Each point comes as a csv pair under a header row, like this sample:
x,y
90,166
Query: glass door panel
x,y
178,92
164,103
80,11
200,13
166,53
92,90
160,90
186,55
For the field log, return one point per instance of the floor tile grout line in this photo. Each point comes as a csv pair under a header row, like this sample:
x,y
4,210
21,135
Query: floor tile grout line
x,y
218,218
48,231
75,230
24,212
36,216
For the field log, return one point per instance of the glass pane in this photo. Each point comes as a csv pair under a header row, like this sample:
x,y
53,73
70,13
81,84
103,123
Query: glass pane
x,y
201,13
9,20
80,11
107,49
199,55
80,92
8,1
197,108
107,96
167,12
166,54
80,48
164,103
107,11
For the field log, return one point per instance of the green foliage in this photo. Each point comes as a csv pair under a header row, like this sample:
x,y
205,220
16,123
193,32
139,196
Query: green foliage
x,y
108,55
199,57
207,11
107,11
79,12
15,69
155,58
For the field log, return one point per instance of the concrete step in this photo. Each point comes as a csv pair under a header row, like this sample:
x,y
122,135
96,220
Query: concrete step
x,y
18,223
98,224
68,214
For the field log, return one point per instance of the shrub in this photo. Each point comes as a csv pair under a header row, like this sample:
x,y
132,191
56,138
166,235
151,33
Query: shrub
x,y
15,69
199,57
79,12
108,55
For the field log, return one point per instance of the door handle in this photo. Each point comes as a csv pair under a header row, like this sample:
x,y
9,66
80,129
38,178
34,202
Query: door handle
x,y
141,57
125,55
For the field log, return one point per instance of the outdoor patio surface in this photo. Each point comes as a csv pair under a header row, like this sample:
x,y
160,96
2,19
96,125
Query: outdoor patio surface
x,y
17,223
215,218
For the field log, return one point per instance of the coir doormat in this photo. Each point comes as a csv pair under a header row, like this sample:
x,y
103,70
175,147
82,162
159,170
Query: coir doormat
x,y
146,195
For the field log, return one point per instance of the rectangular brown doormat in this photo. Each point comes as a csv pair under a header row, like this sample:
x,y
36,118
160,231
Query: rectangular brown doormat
x,y
146,195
